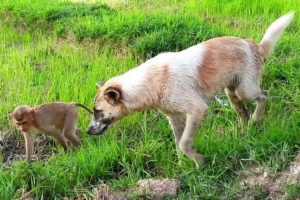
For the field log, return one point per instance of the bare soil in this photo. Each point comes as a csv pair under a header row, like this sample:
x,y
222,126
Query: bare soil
x,y
12,147
274,184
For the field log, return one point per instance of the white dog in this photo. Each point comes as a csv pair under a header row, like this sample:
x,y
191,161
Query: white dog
x,y
181,83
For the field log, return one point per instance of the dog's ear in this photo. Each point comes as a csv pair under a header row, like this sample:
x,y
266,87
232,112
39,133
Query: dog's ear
x,y
113,95
100,84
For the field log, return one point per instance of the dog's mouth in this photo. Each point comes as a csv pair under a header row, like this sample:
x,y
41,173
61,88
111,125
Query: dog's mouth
x,y
103,128
98,128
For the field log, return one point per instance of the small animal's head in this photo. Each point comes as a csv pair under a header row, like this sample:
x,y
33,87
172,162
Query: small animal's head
x,y
23,117
108,107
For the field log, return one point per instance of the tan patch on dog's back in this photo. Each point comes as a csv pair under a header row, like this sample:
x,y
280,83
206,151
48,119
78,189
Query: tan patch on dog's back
x,y
222,59
159,79
155,84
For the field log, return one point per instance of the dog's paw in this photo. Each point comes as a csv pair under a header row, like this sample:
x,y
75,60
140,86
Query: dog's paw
x,y
255,119
265,92
199,161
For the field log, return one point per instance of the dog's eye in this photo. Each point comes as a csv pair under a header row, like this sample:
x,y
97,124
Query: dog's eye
x,y
98,113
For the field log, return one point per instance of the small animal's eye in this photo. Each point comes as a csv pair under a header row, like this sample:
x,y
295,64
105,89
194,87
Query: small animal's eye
x,y
18,124
24,123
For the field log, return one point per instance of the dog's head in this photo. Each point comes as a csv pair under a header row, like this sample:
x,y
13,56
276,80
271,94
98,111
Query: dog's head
x,y
108,107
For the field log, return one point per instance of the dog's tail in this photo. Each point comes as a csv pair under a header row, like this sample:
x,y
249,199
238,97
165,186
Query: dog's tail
x,y
273,33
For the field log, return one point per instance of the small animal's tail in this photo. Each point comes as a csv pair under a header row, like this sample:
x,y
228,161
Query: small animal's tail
x,y
273,33
82,106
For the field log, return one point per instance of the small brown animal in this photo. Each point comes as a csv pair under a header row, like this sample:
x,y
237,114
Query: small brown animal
x,y
51,119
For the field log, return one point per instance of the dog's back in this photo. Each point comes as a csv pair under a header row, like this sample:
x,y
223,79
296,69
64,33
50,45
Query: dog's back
x,y
199,71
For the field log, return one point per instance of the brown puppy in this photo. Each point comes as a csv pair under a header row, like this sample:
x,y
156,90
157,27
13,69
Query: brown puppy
x,y
51,119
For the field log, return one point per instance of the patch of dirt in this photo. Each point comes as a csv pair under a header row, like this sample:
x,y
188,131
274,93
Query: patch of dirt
x,y
289,176
103,193
12,147
157,189
26,196
274,184
145,189
153,189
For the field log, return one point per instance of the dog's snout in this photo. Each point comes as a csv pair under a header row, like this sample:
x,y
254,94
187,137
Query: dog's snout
x,y
96,128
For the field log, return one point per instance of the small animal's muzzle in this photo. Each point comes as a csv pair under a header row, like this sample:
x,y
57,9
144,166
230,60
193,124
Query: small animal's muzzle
x,y
97,128
24,129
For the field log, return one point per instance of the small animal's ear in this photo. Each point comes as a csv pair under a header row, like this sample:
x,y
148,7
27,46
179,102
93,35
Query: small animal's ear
x,y
113,95
100,84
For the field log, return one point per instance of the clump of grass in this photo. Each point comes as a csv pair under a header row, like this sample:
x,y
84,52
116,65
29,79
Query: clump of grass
x,y
293,191
176,33
31,11
148,34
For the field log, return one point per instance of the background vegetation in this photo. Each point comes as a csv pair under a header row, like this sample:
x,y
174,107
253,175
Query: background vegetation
x,y
57,50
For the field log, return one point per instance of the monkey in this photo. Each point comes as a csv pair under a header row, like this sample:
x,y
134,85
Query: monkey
x,y
55,119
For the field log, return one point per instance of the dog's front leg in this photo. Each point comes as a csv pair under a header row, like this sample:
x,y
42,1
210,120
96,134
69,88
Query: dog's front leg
x,y
186,142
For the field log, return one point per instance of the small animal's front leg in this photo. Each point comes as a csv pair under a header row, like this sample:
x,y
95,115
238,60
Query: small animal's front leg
x,y
186,141
29,145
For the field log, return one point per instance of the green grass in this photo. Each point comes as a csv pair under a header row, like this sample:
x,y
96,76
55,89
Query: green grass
x,y
57,51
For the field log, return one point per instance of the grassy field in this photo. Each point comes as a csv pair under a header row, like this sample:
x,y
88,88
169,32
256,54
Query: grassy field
x,y
57,50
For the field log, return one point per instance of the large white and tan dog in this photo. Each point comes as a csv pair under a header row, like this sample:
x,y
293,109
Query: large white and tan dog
x,y
181,83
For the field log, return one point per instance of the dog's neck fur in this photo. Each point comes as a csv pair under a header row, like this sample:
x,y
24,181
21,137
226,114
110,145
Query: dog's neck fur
x,y
140,86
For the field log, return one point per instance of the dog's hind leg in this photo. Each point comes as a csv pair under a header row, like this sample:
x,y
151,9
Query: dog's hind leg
x,y
237,104
249,90
193,120
177,122
260,106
